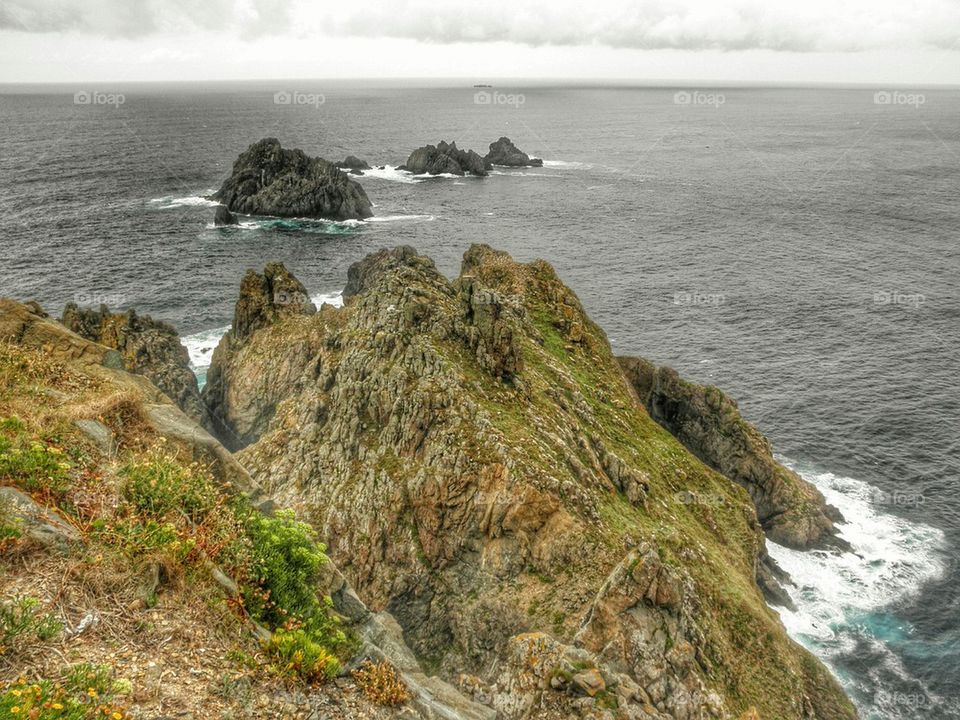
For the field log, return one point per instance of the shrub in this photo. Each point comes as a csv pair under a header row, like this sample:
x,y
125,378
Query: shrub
x,y
34,466
381,683
136,538
21,619
159,485
284,567
47,700
299,657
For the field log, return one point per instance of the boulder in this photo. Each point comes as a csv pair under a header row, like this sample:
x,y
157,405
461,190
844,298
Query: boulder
x,y
353,165
445,159
504,152
223,217
268,180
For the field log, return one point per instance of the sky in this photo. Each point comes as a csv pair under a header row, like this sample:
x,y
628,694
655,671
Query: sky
x,y
879,42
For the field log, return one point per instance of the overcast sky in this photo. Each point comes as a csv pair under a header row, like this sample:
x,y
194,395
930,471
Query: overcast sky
x,y
907,42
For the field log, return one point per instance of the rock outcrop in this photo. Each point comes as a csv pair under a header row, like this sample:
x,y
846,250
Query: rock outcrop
x,y
791,510
268,180
223,217
353,165
481,469
147,347
240,405
445,159
504,152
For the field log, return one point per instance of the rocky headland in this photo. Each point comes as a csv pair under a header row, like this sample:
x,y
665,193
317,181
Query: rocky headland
x,y
481,467
267,179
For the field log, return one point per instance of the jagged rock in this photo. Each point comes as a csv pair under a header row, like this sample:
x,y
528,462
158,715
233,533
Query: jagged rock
x,y
353,164
235,402
445,158
100,434
791,510
147,347
223,217
269,180
504,152
363,274
486,331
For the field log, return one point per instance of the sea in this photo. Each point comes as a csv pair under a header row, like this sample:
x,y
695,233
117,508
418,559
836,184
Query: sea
x,y
797,247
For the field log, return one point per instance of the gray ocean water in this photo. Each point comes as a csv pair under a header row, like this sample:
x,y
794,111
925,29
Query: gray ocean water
x,y
796,247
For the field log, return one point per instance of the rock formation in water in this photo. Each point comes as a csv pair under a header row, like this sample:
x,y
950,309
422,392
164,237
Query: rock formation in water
x,y
223,217
353,165
269,180
445,158
504,152
480,467
146,347
791,510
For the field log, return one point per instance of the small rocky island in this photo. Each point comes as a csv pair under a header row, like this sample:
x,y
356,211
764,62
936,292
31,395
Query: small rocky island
x,y
445,158
269,180
504,152
353,165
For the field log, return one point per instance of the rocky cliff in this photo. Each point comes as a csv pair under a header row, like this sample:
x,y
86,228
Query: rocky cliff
x,y
708,422
479,466
269,180
147,347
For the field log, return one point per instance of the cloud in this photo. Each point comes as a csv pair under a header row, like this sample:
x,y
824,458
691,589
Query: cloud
x,y
777,25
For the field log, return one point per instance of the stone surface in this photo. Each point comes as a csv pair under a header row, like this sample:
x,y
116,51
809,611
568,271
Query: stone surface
x,y
42,525
269,180
223,217
445,159
504,152
146,346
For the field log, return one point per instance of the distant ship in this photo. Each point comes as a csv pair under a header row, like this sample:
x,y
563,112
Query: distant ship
x,y
482,85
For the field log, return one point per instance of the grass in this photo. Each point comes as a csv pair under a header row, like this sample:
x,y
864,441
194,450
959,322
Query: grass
x,y
22,623
84,692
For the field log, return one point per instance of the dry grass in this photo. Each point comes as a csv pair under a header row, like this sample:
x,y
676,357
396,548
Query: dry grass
x,y
381,684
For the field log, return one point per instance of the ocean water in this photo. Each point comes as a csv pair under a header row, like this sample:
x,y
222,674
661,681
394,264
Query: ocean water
x,y
796,247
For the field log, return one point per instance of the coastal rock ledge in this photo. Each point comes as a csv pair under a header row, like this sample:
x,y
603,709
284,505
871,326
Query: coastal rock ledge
x,y
268,180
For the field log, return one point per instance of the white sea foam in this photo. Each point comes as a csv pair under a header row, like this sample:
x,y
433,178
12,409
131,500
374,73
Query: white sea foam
x,y
400,218
393,174
201,345
566,164
169,202
892,558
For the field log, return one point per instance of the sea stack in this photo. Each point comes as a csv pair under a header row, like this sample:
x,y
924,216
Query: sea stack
x,y
269,180
445,158
223,217
504,152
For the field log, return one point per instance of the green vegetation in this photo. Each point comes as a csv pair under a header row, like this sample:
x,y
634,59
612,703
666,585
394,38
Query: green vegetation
x,y
85,692
297,656
22,622
158,485
31,464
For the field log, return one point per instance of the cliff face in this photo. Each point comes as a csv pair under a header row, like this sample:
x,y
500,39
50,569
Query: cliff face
x,y
479,465
791,510
147,347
